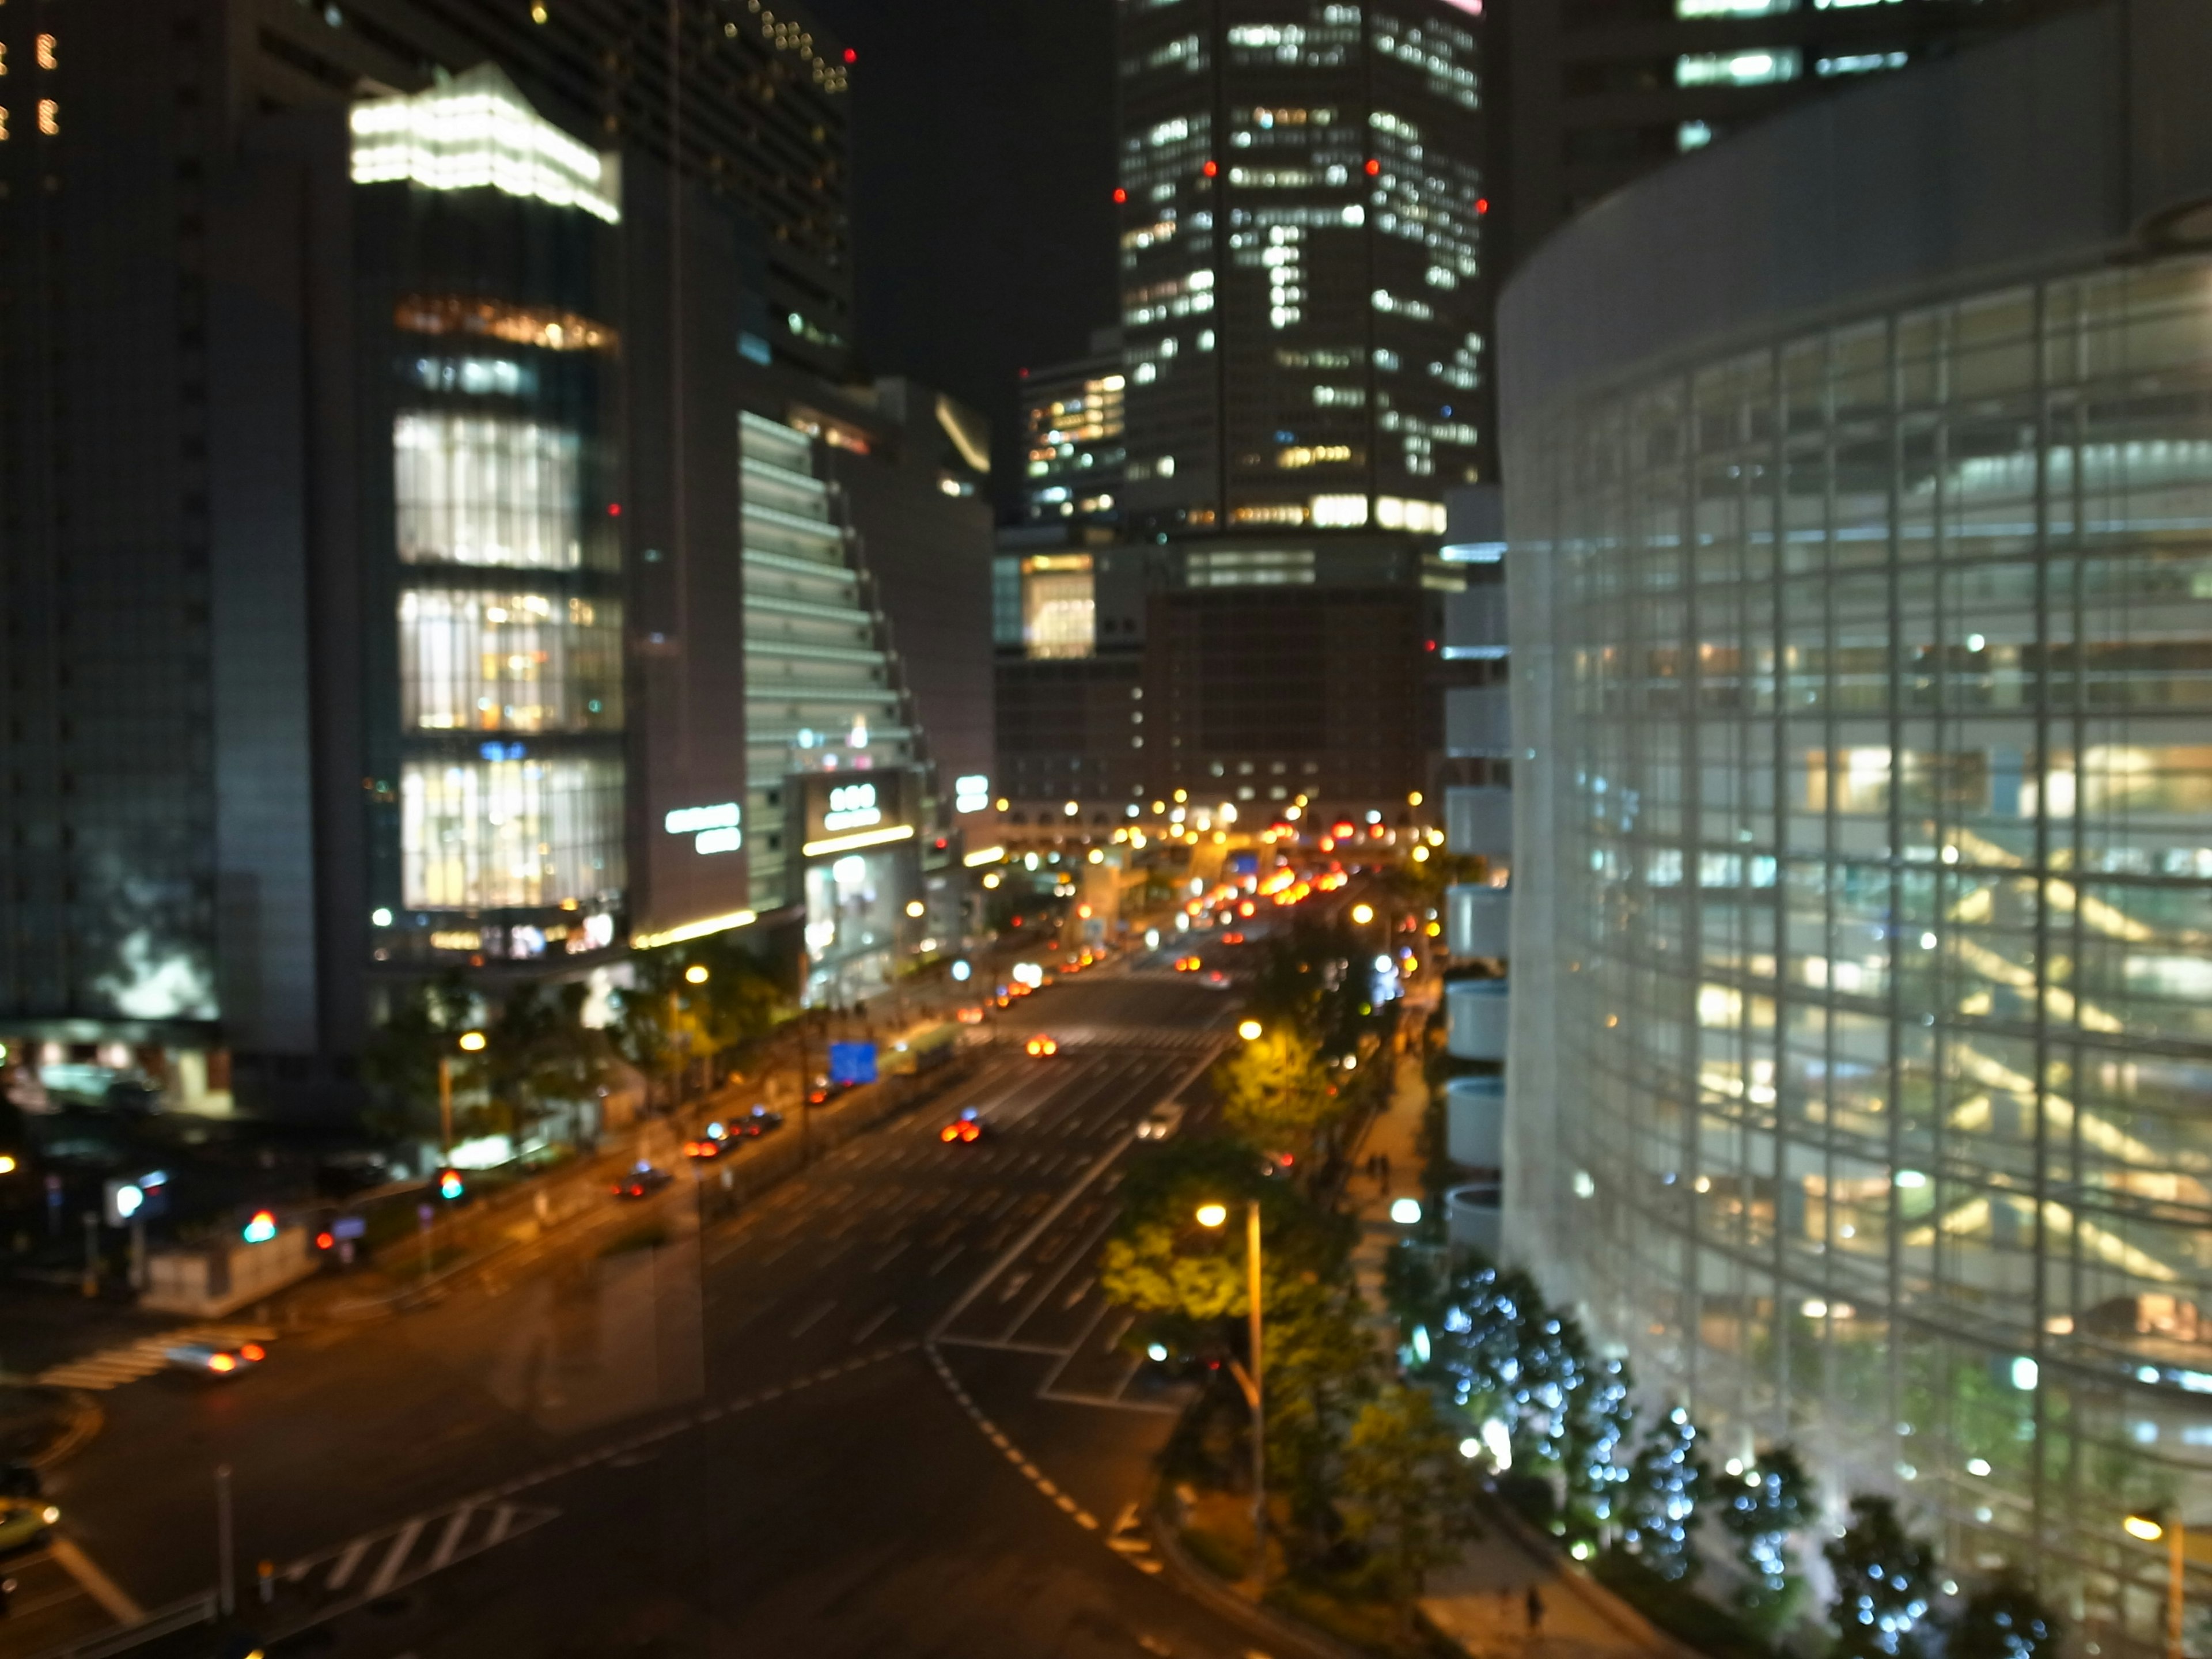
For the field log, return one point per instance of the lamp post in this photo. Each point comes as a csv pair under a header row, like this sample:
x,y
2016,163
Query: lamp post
x,y
471,1043
2151,1528
1215,1215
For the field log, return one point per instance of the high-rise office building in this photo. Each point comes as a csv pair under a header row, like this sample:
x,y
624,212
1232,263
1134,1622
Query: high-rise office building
x,y
1301,287
382,537
1859,511
1074,453
1592,94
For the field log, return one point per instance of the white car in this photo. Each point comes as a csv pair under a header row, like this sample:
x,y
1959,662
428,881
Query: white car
x,y
1161,1121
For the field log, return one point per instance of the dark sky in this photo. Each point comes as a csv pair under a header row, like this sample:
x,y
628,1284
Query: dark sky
x,y
983,219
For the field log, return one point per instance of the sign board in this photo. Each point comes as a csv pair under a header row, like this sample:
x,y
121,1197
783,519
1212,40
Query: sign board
x,y
855,807
349,1226
851,1062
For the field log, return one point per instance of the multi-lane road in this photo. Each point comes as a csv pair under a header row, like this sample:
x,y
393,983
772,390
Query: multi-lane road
x,y
882,1411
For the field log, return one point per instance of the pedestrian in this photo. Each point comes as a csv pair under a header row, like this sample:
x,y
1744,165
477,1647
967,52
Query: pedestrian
x,y
1535,1607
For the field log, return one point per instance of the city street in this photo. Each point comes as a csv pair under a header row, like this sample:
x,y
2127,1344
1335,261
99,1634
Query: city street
x,y
888,1415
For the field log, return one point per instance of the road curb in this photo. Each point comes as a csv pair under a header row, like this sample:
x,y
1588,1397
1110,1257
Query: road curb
x,y
86,1419
1261,1621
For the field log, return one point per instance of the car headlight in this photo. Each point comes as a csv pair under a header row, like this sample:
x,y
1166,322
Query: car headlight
x,y
50,1514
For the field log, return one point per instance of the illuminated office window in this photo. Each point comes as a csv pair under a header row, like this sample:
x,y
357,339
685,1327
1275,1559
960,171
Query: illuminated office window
x,y
486,490
1059,612
491,661
494,835
1737,68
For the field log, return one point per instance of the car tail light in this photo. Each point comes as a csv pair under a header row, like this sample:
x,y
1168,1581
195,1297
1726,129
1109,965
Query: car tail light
x,y
950,1132
324,1241
255,1351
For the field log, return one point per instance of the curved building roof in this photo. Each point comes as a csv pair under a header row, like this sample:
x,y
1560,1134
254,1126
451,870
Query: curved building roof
x,y
2059,145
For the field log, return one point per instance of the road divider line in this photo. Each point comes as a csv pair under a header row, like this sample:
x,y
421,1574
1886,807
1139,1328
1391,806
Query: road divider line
x,y
97,1584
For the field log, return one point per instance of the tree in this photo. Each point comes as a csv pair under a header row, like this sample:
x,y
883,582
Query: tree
x,y
1187,1279
1775,1499
1321,1367
1275,1090
1659,1500
1884,1585
1410,1494
1598,1418
537,1054
399,1063
2004,1619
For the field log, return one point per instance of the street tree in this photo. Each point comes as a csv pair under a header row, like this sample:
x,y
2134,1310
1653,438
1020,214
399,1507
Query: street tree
x,y
2004,1619
538,1056
1275,1092
1885,1585
1659,1500
1409,1495
399,1062
1761,1510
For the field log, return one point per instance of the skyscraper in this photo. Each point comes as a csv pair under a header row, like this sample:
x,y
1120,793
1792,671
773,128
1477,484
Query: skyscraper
x,y
1302,284
1075,443
385,531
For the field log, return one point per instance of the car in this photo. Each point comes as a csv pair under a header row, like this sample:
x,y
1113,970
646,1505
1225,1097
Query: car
x,y
641,1182
968,1127
1187,964
25,1523
758,1121
1163,1120
705,1149
215,1359
1041,1046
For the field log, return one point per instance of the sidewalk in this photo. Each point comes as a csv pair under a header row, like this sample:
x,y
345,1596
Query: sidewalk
x,y
1481,1602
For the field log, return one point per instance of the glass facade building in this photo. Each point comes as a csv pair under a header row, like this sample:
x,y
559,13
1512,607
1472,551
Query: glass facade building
x,y
1862,633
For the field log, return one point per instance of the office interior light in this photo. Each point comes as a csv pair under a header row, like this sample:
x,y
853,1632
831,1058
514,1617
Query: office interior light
x,y
477,131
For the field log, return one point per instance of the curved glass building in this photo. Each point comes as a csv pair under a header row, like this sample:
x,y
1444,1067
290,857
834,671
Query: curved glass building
x,y
1860,508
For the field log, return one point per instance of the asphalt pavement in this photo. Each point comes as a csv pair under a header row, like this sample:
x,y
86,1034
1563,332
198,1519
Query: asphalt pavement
x,y
882,1411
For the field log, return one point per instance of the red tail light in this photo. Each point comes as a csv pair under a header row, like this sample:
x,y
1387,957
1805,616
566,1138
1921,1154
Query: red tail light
x,y
255,1351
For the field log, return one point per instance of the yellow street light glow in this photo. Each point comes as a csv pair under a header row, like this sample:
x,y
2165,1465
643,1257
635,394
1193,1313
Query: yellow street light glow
x,y
695,974
7,1164
472,1040
915,908
1212,1215
2142,1527
1363,913
984,855
1249,1031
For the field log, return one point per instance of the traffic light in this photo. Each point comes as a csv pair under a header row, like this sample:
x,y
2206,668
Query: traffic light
x,y
450,1185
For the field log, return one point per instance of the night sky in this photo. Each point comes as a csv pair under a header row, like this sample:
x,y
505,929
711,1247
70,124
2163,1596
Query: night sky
x,y
983,220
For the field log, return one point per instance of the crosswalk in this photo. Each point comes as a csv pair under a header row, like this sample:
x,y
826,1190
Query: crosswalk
x,y
377,1563
111,1368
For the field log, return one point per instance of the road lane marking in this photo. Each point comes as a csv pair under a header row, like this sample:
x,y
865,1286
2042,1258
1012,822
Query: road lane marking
x,y
395,1558
814,1318
451,1536
347,1562
875,1324
890,1255
946,1260
97,1584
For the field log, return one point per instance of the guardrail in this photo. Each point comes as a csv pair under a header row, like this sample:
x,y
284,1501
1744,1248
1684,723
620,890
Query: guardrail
x,y
200,1609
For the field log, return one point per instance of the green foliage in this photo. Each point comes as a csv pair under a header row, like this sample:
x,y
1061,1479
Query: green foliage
x,y
1186,1278
1275,1092
2004,1619
537,1054
663,1020
1659,1500
1312,980
1321,1367
1410,1496
399,1063
1761,1510
1884,1585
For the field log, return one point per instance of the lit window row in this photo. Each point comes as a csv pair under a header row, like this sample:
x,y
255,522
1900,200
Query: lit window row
x,y
1738,69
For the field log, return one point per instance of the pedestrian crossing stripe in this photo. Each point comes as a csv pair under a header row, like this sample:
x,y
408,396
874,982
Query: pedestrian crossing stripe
x,y
111,1368
377,1563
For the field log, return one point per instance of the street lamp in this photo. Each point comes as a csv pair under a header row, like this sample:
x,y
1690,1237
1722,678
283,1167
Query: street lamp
x,y
471,1043
695,974
1211,1214
1363,913
2150,1528
1249,1031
